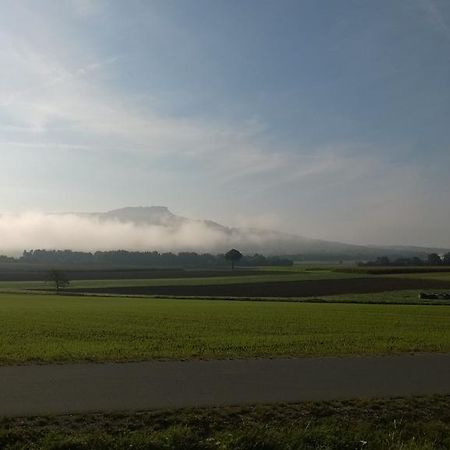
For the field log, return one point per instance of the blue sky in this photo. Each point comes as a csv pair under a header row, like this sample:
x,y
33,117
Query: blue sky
x,y
322,118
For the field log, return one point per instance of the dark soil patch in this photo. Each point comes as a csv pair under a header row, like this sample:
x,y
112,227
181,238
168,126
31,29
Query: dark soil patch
x,y
309,288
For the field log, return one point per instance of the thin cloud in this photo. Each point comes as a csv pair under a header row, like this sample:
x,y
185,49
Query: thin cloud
x,y
103,119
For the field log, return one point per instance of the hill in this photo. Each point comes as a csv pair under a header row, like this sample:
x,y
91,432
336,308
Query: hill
x,y
252,240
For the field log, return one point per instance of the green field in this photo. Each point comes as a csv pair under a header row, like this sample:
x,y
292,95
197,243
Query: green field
x,y
49,328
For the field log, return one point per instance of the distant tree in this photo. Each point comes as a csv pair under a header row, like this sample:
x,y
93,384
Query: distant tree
x,y
58,278
7,259
434,259
446,259
233,256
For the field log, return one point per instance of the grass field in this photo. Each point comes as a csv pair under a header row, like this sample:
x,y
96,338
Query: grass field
x,y
385,424
56,328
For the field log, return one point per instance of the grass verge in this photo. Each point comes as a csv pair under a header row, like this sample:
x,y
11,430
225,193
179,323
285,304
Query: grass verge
x,y
402,423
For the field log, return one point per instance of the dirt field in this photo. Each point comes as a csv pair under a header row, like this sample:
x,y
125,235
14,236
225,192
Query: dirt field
x,y
309,288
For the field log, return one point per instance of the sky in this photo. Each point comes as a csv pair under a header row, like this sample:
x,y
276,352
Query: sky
x,y
328,119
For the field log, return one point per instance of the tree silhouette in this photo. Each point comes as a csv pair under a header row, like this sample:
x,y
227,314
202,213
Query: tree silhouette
x,y
434,259
234,256
58,278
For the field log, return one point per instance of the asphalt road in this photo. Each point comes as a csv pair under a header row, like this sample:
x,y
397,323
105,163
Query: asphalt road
x,y
60,389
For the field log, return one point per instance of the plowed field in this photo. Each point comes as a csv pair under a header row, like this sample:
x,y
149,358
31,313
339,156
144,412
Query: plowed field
x,y
308,288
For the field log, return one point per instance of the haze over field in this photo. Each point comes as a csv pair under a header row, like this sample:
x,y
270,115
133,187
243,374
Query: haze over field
x,y
321,119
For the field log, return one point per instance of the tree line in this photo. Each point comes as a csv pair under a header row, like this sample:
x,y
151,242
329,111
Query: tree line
x,y
433,259
150,258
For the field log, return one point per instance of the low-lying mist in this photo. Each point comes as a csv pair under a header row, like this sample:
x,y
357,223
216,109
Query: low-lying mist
x,y
70,231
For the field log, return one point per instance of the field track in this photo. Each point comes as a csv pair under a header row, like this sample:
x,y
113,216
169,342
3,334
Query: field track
x,y
307,288
61,389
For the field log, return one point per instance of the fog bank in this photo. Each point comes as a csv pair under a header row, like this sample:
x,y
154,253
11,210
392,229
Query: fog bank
x,y
70,231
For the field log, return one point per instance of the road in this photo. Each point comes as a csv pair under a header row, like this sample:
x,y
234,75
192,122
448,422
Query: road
x,y
71,388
